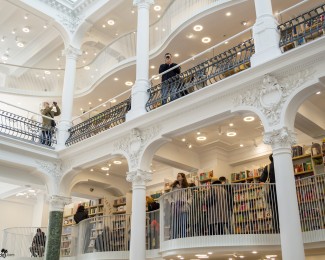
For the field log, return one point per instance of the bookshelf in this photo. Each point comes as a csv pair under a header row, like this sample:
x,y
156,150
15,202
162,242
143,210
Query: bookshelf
x,y
247,176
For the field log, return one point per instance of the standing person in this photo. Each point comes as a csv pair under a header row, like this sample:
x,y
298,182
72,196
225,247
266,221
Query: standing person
x,y
38,244
230,201
48,124
80,215
166,85
180,206
217,209
268,176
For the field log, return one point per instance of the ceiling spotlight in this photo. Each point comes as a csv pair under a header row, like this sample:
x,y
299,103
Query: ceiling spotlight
x,y
190,36
58,58
241,256
26,16
231,133
45,26
20,44
176,55
231,124
244,23
201,138
107,174
26,29
87,68
113,100
105,168
5,57
249,118
228,13
117,162
156,28
241,145
206,40
157,8
183,139
198,133
209,253
91,170
110,22
152,67
3,38
13,31
198,28
317,93
158,16
128,83
132,11
254,252
116,79
189,146
226,42
104,26
47,72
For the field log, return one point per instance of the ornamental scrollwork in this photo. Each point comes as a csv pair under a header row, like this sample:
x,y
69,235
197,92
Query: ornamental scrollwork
x,y
57,203
134,144
139,177
54,169
280,138
271,95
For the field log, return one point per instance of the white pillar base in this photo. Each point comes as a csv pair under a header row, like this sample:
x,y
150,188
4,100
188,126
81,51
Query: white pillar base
x,y
62,134
265,56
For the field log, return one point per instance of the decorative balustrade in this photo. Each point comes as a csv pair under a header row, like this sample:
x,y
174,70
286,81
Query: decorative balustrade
x,y
152,230
24,242
99,123
26,129
303,28
206,73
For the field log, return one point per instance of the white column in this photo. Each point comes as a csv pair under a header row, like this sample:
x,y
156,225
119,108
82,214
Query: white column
x,y
292,245
139,91
72,54
265,33
139,179
38,210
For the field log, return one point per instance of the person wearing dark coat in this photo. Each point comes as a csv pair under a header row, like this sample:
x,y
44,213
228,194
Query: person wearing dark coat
x,y
38,244
166,80
81,214
268,175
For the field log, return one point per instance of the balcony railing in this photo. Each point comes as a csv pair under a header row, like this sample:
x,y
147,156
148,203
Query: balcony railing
x,y
99,123
152,230
24,242
215,69
303,28
26,129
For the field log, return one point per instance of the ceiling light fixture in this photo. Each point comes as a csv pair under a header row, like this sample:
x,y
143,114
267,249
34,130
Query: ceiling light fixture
x,y
228,13
104,26
107,174
111,22
13,31
20,44
198,28
26,16
91,170
231,124
254,252
158,16
226,42
201,138
157,8
189,146
100,100
113,100
47,72
249,118
116,79
5,57
190,36
117,162
45,26
176,55
26,29
244,23
231,133
105,168
87,68
241,145
183,139
152,67
129,83
206,40
3,38
317,93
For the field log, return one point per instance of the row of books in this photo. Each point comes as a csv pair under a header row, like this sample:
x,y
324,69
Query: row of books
x,y
247,174
120,201
252,205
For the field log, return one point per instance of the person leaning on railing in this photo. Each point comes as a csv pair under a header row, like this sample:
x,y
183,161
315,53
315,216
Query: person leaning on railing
x,y
38,244
48,125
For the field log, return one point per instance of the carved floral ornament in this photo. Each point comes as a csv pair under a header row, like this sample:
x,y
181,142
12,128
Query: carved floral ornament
x,y
270,96
57,203
54,169
134,144
280,138
72,52
139,177
146,2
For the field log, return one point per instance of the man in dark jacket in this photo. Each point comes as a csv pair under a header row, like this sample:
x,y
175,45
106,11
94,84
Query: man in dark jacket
x,y
166,85
268,175
81,214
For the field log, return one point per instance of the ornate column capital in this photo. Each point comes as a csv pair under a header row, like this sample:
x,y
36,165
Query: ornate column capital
x,y
72,52
280,138
143,3
139,177
57,202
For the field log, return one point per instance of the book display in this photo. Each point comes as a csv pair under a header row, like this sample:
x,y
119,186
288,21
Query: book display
x,y
247,175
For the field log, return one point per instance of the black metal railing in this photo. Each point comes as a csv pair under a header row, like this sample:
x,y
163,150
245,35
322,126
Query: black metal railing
x,y
107,119
217,68
302,29
26,129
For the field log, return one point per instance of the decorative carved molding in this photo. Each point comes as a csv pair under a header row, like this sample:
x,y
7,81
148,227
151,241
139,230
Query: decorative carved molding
x,y
139,177
70,22
134,143
57,202
53,169
143,2
272,94
280,138
72,52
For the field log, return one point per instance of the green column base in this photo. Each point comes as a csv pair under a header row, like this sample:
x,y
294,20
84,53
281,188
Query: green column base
x,y
53,243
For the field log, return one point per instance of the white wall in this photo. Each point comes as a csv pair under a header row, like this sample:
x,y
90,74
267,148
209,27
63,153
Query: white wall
x,y
15,214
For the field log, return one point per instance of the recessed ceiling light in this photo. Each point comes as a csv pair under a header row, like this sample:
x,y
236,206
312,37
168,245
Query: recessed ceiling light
x,y
3,38
111,22
190,36
226,42
198,133
183,139
201,138
198,28
104,26
84,61
231,133
254,252
91,170
244,23
89,103
13,31
231,124
209,253
238,53
176,55
5,57
163,29
87,68
228,13
152,67
206,39
241,256
26,16
104,105
189,146
26,29
20,44
113,100
109,164
100,100
47,72
117,162
58,75
241,145
155,77
157,8
105,168
116,79
132,11
129,83
249,118
156,28
58,58
45,26
107,174
158,16
317,93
